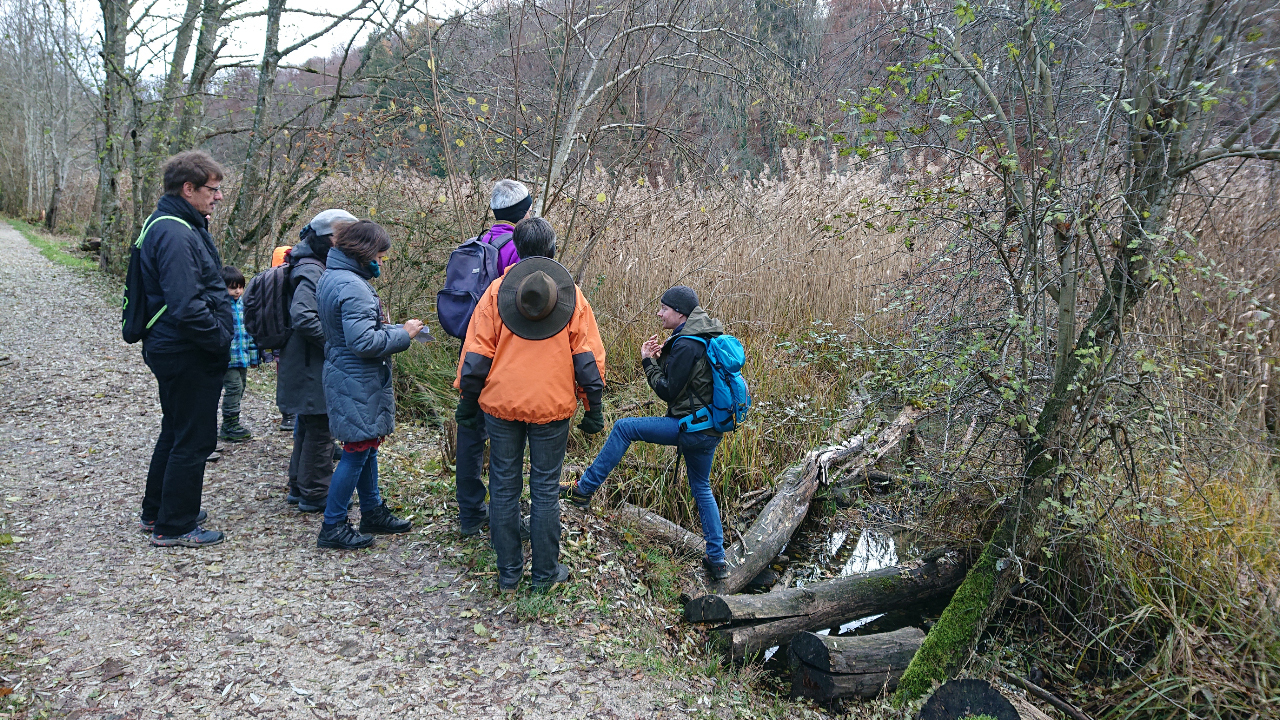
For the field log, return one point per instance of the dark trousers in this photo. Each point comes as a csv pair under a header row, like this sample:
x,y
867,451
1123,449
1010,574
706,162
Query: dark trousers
x,y
190,383
470,463
311,466
506,465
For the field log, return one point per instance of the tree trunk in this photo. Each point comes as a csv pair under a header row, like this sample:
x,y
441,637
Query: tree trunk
x,y
115,25
823,605
654,524
825,667
775,524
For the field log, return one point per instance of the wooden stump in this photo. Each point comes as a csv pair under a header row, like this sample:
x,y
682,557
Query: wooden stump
x,y
825,667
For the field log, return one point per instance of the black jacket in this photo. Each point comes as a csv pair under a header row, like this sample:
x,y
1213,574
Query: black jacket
x,y
300,382
681,374
182,272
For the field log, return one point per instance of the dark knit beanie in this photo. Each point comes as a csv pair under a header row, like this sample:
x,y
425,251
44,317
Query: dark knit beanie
x,y
681,298
514,213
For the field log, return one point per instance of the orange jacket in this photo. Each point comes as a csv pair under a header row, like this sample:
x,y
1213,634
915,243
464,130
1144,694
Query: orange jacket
x,y
533,381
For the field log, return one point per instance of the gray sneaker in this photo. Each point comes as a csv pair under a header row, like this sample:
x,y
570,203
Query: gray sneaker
x,y
149,526
194,539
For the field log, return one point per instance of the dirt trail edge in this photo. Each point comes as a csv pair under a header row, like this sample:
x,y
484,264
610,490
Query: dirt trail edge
x,y
262,625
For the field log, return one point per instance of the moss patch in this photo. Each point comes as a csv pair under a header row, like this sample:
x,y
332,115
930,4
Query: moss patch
x,y
948,643
50,247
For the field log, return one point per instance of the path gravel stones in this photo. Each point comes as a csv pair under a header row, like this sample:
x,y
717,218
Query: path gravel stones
x,y
264,625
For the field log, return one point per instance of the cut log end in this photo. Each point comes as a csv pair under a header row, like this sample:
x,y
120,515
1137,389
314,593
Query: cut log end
x,y
708,608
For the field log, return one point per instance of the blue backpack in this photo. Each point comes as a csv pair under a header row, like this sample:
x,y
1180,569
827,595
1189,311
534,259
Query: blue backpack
x,y
471,268
730,398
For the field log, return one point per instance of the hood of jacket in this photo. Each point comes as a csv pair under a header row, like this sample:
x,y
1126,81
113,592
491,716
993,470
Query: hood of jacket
x,y
700,323
339,260
304,249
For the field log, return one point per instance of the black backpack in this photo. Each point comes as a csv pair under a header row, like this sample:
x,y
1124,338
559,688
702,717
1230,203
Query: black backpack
x,y
135,321
266,305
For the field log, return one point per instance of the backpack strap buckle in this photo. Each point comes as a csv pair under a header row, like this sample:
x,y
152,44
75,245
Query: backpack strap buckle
x,y
698,421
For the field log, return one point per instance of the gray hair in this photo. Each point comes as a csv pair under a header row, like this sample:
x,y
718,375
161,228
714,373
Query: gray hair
x,y
507,193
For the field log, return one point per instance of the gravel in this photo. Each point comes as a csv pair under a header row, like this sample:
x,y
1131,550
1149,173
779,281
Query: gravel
x,y
262,625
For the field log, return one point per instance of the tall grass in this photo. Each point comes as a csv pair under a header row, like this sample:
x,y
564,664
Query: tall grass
x,y
1161,580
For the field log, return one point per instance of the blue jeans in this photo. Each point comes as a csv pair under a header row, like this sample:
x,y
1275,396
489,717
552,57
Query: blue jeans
x,y
356,471
506,482
470,463
698,449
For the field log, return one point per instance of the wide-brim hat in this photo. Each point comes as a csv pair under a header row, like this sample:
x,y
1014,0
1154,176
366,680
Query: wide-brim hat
x,y
537,298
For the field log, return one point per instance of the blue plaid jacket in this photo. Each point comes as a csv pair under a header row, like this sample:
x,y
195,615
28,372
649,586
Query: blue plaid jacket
x,y
243,352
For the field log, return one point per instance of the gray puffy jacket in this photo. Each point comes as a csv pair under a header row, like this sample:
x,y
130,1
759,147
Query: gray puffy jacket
x,y
357,352
300,382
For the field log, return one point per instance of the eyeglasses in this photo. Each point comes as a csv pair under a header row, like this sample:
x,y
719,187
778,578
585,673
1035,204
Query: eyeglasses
x,y
211,187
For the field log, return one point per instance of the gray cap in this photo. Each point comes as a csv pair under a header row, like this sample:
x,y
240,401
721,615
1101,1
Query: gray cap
x,y
507,193
323,223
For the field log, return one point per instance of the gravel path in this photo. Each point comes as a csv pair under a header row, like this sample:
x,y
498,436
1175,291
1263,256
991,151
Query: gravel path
x,y
264,624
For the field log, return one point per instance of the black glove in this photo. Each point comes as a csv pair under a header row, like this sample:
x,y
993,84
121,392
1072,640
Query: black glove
x,y
468,414
592,421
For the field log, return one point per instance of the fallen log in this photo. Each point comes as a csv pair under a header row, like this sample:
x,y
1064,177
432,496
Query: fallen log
x,y
825,668
857,654
654,524
776,522
823,605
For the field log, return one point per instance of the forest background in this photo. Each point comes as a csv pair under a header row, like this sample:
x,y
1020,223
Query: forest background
x,y
1052,225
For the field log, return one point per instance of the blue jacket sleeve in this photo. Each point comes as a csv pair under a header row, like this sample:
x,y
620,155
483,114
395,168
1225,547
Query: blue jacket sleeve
x,y
366,337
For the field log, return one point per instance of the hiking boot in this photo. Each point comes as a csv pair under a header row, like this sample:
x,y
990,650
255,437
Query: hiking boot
x,y
341,536
287,421
562,574
233,431
380,521
194,539
507,592
149,526
214,456
717,570
292,498
471,530
306,507
569,491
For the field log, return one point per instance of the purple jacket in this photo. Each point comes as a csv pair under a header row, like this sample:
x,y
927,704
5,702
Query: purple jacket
x,y
507,255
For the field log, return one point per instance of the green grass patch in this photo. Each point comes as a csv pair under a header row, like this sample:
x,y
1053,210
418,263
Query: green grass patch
x,y
51,246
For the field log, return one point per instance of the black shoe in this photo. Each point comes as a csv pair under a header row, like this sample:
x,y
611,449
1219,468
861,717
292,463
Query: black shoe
x,y
194,539
562,574
569,491
341,536
292,499
470,530
149,526
287,421
717,570
233,431
306,507
380,521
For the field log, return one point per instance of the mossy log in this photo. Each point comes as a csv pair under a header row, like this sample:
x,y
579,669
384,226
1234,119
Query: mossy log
x,y
825,667
823,605
776,522
654,524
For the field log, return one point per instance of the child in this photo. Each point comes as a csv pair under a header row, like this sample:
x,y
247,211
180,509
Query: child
x,y
244,355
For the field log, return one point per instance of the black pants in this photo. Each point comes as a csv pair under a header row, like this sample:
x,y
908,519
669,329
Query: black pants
x,y
311,466
190,384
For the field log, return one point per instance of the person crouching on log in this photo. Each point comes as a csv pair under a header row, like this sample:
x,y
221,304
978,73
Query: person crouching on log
x,y
679,374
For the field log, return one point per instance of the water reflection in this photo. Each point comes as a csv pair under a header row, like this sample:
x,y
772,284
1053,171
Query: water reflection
x,y
875,550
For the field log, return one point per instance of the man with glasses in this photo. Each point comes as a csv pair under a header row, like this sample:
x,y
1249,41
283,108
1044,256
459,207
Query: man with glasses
x,y
187,346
